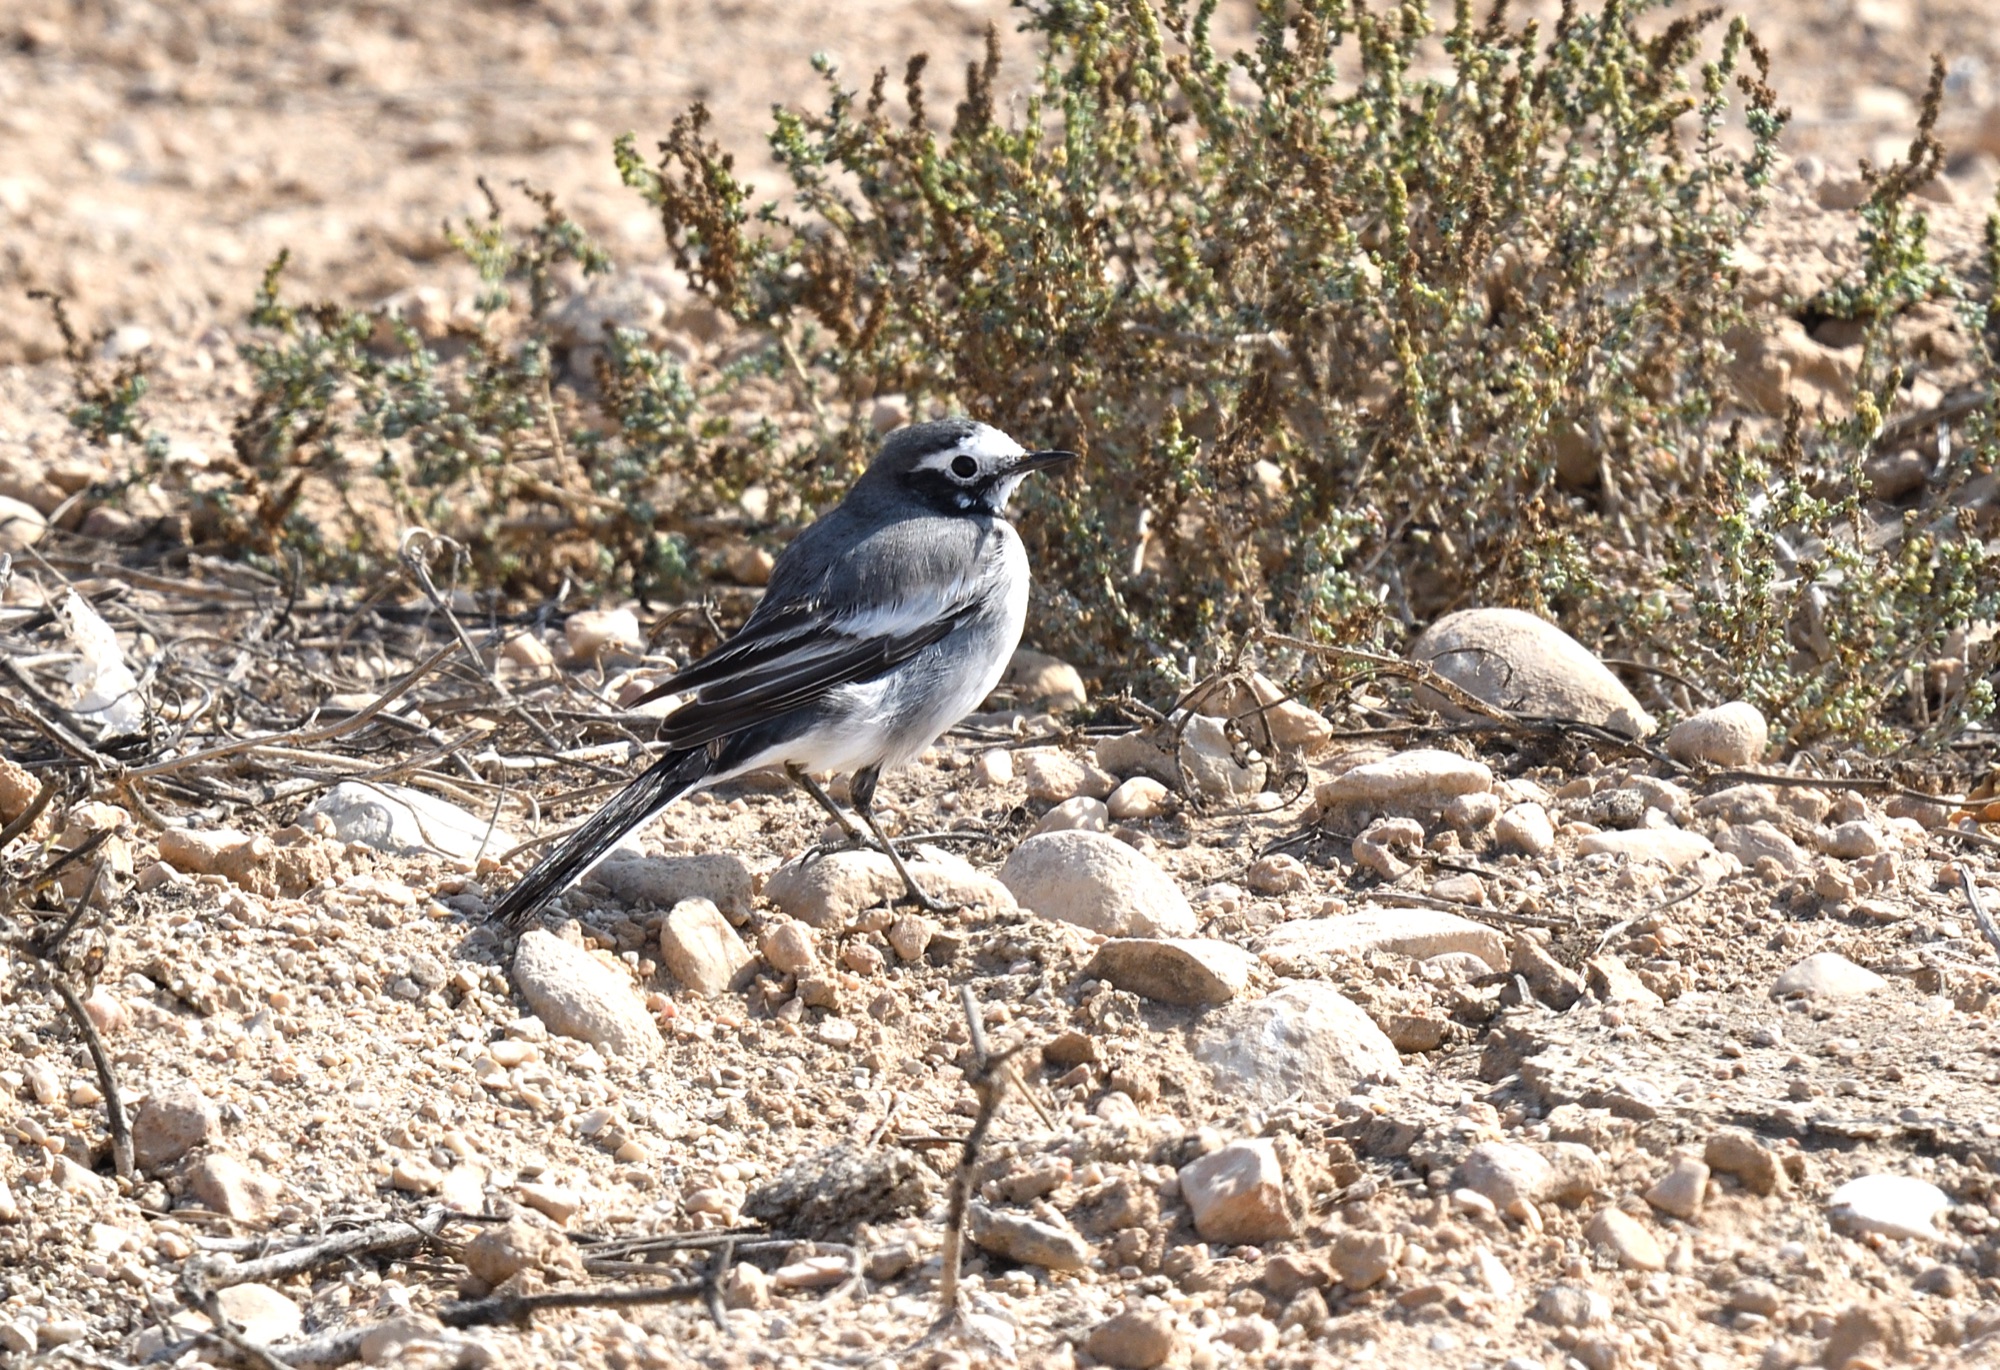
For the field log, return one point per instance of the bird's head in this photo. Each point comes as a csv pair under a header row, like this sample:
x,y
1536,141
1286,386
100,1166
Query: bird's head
x,y
956,466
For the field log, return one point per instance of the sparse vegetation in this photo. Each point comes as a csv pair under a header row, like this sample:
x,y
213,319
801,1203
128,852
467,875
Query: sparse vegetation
x,y
1358,325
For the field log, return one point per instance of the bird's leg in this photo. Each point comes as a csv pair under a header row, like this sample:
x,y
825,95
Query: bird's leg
x,y
862,789
825,801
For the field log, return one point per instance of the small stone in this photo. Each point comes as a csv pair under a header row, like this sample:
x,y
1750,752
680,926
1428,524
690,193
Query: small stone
x,y
1305,1043
524,1242
1045,682
1634,1247
21,525
1472,813
1732,734
1096,882
1751,843
1264,713
1237,1194
579,996
528,652
831,892
225,1185
994,767
106,1011
1137,1339
1856,841
862,958
1417,933
1193,972
1515,1177
748,564
558,1203
1735,1151
1209,758
415,1175
1054,775
1572,1305
1897,1206
1548,979
814,1272
1613,982
701,950
1139,798
18,1335
1525,828
594,635
1375,848
1362,1259
1029,1241
789,947
1516,661
1681,1190
1755,1296
910,935
1278,873
1826,975
395,818
1460,887
1673,848
1081,814
661,882
264,1314
1418,783
174,1119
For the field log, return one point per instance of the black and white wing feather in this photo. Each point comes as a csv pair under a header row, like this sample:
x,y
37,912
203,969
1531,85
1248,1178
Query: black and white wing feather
x,y
836,628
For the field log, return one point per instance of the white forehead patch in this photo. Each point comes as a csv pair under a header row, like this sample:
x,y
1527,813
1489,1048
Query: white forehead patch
x,y
984,444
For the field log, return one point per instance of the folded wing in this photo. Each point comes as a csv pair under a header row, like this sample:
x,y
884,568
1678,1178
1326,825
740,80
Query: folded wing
x,y
793,657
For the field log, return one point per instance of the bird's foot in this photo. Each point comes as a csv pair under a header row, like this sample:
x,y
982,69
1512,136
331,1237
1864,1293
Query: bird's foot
x,y
936,907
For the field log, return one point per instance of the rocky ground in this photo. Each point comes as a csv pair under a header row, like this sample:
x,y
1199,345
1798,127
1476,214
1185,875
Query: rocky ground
x,y
1342,1035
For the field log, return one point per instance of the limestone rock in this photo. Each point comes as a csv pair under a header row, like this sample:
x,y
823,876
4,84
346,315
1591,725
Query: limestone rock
x,y
395,818
1826,975
174,1119
1526,828
701,950
225,1185
1674,848
1237,1194
1265,714
1417,783
1045,682
828,892
1417,933
1053,775
1096,882
1732,734
594,635
1028,1240
1523,664
722,878
1897,1206
1193,971
1634,1247
21,525
579,996
1136,1339
1081,814
1306,1041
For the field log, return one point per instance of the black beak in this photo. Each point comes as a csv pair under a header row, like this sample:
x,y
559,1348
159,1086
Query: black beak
x,y
1043,461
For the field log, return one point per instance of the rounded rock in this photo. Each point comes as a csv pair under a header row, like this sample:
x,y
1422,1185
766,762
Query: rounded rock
x,y
1306,1042
1096,882
1081,814
1826,975
1732,734
1139,798
1419,782
1516,661
173,1120
1137,1339
579,996
1897,1206
789,947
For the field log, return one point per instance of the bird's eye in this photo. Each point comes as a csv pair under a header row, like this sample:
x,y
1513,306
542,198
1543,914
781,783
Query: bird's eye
x,y
965,468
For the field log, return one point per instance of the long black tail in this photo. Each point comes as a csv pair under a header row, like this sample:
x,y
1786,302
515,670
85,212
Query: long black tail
x,y
672,776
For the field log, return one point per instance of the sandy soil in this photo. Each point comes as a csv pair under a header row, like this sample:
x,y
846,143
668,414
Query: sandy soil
x,y
364,1051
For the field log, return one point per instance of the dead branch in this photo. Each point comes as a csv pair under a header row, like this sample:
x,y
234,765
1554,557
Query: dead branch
x,y
1979,913
390,1237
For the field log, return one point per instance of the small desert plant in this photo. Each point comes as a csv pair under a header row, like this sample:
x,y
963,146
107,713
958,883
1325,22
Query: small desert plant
x,y
1356,325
